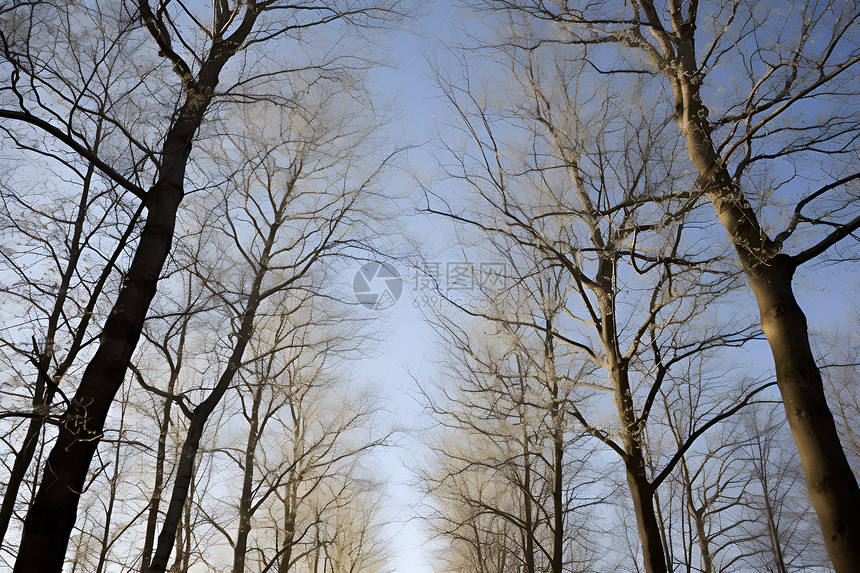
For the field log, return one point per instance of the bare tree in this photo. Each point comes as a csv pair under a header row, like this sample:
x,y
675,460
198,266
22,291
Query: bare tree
x,y
60,255
196,49
610,215
738,501
780,531
509,483
281,215
358,545
837,347
740,83
702,503
295,360
315,470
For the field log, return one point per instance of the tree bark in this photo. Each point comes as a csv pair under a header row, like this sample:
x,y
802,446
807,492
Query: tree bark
x,y
51,518
190,448
527,528
641,490
158,486
832,486
46,384
241,546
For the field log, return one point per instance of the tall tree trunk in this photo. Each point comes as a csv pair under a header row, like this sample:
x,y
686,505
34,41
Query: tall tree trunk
x,y
176,365
183,539
642,494
557,487
528,521
51,518
290,509
241,547
114,485
291,497
661,521
527,529
317,550
832,486
46,384
49,522
641,490
556,566
181,491
698,515
158,485
22,462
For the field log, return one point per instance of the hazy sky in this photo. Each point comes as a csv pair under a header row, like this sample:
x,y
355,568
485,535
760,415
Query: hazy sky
x,y
407,350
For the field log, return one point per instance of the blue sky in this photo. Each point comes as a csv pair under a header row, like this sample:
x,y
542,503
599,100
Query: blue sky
x,y
825,293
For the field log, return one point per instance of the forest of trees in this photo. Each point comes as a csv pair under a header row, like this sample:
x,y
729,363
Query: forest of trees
x,y
188,188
